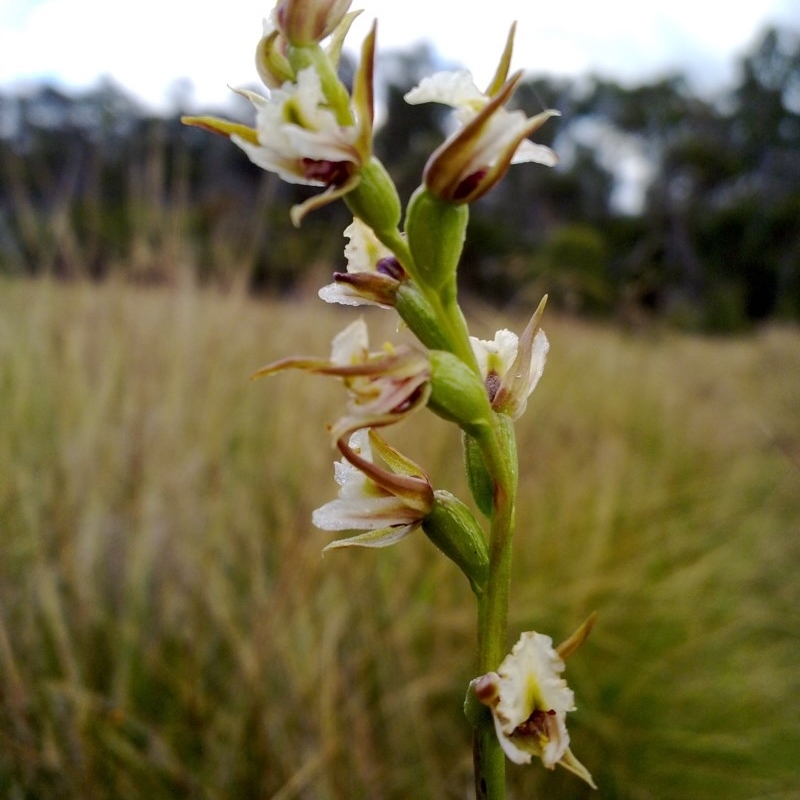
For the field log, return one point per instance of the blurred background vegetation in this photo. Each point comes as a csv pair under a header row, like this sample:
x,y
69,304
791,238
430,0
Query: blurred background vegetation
x,y
168,628
664,204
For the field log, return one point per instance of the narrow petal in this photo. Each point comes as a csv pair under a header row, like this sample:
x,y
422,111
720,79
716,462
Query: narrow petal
x,y
568,761
570,645
330,195
529,152
501,73
223,127
363,96
523,375
383,537
296,362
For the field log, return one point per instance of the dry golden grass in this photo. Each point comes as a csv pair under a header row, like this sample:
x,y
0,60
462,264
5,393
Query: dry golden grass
x,y
169,629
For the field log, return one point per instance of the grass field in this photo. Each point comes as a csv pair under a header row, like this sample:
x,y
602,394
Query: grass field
x,y
168,628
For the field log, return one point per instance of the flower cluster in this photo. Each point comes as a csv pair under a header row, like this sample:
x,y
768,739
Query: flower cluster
x,y
307,129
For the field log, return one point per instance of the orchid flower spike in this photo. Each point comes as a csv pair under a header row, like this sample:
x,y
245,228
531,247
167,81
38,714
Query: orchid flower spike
x,y
373,272
387,496
511,366
383,387
529,701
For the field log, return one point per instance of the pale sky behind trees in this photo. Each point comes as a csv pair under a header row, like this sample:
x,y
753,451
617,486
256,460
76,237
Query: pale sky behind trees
x,y
148,46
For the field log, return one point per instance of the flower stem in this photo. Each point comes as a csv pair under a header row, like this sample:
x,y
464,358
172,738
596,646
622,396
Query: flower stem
x,y
490,766
500,454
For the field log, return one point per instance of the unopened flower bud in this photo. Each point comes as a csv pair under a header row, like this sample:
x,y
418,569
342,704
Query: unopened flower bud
x,y
415,310
480,481
272,62
457,393
375,199
436,230
451,526
305,22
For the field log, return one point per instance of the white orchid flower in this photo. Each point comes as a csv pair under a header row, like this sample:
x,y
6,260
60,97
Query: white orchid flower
x,y
299,136
530,700
490,137
388,500
373,273
510,366
308,130
457,89
383,387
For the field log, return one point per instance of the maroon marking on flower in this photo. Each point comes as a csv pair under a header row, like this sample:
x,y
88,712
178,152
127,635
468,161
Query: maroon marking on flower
x,y
391,267
493,384
410,401
331,173
538,723
469,184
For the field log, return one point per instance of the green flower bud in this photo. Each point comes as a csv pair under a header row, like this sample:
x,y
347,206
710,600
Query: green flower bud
x,y
415,310
272,62
458,393
454,530
375,200
436,231
480,482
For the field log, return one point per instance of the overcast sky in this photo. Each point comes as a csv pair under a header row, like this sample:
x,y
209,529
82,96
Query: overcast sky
x,y
147,45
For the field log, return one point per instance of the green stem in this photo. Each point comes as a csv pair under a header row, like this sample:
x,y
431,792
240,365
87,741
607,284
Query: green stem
x,y
499,452
490,766
453,324
443,303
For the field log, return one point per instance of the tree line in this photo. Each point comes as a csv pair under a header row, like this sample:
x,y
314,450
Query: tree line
x,y
664,204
